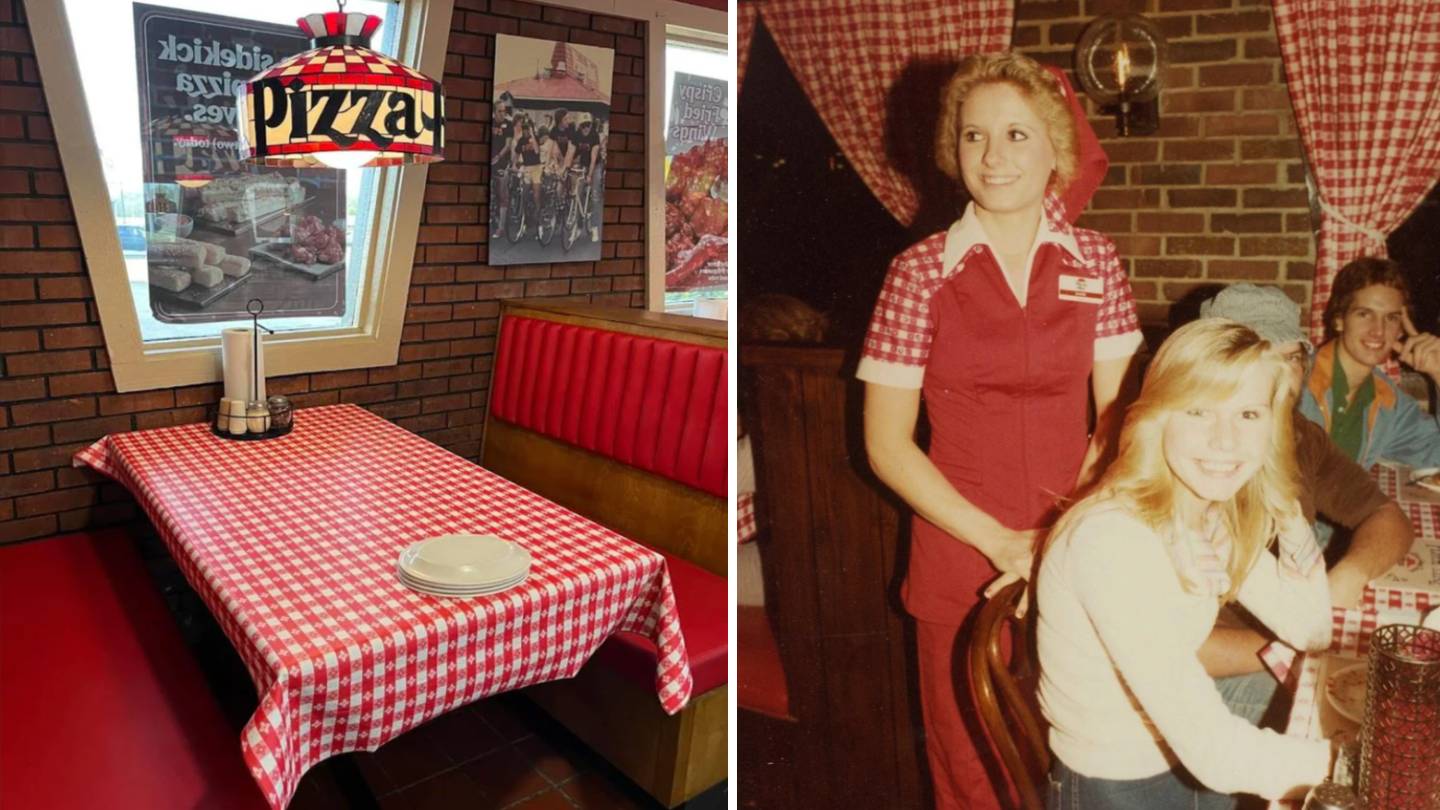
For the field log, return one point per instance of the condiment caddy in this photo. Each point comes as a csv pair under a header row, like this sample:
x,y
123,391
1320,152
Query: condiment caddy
x,y
251,421
253,417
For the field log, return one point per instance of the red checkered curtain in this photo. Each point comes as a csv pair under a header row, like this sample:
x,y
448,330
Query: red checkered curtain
x,y
1365,83
745,23
847,54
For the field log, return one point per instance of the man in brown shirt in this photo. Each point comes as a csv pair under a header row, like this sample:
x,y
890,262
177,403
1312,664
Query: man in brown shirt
x,y
1338,489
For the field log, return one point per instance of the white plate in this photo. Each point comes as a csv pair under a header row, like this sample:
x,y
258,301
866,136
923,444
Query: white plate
x,y
469,590
437,591
415,577
1345,689
465,560
1416,475
420,583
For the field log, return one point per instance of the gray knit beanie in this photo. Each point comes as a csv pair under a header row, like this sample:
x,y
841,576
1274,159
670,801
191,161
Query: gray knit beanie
x,y
1267,310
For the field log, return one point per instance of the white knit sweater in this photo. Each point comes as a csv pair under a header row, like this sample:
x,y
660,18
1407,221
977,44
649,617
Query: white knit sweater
x,y
1121,685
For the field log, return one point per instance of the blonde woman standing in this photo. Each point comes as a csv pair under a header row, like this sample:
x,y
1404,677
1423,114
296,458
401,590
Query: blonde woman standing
x,y
1135,573
1005,324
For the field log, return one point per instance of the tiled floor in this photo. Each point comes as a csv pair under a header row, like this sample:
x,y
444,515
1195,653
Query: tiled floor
x,y
498,753
502,752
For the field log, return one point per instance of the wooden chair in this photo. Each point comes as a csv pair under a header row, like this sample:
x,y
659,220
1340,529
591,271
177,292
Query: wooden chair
x,y
1005,694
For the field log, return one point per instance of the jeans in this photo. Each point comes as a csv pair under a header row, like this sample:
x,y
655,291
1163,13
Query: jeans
x,y
1248,696
1174,789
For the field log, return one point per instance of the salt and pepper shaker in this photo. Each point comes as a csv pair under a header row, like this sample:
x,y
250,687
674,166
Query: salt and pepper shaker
x,y
257,417
1330,796
236,422
1347,766
282,414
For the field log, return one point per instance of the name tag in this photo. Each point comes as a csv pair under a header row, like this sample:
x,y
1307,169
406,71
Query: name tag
x,y
1081,289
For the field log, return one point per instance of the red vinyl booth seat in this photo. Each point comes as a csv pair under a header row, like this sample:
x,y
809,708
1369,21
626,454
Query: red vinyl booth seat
x,y
101,702
659,405
586,401
762,685
697,594
655,404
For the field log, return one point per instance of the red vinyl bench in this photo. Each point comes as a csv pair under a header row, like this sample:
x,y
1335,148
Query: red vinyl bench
x,y
101,702
622,416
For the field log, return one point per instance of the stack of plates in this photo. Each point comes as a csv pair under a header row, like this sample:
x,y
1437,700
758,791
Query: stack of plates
x,y
463,565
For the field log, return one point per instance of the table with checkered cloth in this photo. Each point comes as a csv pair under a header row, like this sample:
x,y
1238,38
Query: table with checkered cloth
x,y
293,542
745,528
1382,603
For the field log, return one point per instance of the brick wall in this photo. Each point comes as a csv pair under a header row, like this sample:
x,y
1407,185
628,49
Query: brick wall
x,y
1218,194
56,394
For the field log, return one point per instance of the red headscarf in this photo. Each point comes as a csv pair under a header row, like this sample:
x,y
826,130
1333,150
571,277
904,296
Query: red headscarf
x,y
1092,163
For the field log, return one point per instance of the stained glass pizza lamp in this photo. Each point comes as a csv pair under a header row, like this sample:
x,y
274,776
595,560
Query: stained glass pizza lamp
x,y
341,104
1120,60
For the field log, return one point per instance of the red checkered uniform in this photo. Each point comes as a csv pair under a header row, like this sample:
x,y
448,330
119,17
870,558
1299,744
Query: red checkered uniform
x,y
1005,373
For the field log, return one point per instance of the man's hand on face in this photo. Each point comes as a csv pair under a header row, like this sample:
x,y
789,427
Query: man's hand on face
x,y
1420,350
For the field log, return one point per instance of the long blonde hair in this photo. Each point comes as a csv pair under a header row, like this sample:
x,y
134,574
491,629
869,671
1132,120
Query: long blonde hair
x,y
1202,363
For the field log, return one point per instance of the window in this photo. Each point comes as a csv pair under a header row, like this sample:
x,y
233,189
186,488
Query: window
x,y
178,233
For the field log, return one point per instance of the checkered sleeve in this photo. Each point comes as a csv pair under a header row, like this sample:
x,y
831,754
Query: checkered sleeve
x,y
1117,326
897,347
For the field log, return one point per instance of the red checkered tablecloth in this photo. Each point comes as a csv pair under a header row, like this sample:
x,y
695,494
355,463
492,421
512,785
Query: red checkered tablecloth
x,y
292,542
745,529
1385,601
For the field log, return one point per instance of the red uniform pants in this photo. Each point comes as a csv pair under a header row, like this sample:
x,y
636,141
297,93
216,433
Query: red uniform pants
x,y
964,768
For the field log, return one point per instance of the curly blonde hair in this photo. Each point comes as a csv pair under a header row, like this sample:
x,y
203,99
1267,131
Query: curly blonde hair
x,y
1040,87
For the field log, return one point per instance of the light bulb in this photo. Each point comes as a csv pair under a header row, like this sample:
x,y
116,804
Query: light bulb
x,y
1122,67
348,159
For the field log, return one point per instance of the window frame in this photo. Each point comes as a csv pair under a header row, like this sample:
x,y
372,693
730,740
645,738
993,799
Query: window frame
x,y
374,340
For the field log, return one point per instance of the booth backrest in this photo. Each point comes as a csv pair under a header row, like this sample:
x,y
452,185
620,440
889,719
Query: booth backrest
x,y
620,415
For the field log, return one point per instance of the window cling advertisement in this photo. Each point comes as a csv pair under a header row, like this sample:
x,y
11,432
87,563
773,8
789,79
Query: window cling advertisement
x,y
221,231
696,194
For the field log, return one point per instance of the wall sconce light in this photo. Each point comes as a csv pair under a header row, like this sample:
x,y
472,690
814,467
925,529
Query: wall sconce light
x,y
1120,61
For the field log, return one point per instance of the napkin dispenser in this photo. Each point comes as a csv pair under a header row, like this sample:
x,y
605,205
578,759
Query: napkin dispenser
x,y
244,412
242,355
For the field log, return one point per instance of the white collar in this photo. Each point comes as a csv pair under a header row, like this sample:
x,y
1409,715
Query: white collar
x,y
967,232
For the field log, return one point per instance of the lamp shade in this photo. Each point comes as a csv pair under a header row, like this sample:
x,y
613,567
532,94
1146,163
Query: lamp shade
x,y
341,104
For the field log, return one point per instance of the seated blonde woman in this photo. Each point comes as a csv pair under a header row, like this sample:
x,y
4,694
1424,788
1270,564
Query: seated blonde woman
x,y
1135,573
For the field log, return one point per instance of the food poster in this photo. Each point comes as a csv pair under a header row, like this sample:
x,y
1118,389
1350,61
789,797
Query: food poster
x,y
548,141
221,231
696,192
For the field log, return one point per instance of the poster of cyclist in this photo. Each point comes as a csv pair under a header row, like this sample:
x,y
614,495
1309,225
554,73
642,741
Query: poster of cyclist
x,y
547,155
696,197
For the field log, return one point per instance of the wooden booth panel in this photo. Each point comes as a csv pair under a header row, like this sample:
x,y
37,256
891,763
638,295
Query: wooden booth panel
x,y
834,559
644,454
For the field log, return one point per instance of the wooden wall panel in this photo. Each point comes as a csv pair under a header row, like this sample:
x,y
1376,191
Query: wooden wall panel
x,y
833,555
